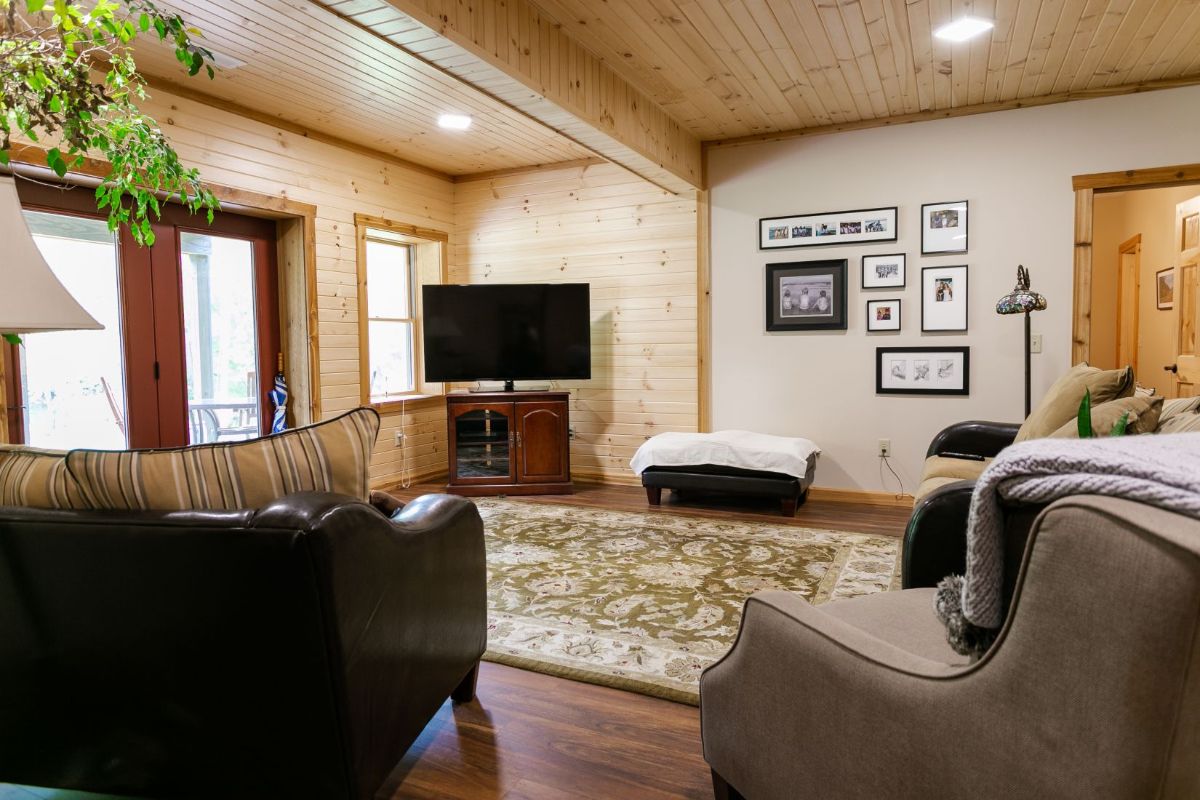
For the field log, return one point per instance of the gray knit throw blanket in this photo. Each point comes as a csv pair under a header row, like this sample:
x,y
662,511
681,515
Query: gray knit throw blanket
x,y
1161,470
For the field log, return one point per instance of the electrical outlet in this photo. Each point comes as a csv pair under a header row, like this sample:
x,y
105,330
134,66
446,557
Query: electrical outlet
x,y
1035,343
399,438
885,448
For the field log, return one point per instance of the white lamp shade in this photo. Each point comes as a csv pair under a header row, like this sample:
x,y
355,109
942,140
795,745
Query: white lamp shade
x,y
31,298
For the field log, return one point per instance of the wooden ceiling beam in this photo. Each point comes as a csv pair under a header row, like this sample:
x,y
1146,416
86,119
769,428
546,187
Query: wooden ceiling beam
x,y
513,52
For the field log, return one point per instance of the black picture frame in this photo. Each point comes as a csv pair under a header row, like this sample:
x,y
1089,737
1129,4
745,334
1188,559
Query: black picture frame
x,y
888,384
871,328
878,256
964,297
784,314
793,222
927,230
1160,303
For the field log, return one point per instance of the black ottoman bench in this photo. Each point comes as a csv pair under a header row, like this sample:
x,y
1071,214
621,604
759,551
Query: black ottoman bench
x,y
791,491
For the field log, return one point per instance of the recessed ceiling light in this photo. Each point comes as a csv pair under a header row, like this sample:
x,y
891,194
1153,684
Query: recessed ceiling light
x,y
962,29
226,62
454,122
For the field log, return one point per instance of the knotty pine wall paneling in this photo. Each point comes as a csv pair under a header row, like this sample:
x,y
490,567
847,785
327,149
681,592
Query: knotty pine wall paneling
x,y
636,245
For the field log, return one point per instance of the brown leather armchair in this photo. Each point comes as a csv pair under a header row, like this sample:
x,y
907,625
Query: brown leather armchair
x,y
291,652
1091,690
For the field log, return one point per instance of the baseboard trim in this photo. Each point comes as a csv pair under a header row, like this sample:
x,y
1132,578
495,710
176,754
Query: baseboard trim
x,y
860,496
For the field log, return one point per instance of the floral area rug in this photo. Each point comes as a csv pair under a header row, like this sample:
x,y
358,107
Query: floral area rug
x,y
645,601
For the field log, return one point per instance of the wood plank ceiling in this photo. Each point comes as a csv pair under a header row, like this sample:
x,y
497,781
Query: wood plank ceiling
x,y
312,68
739,68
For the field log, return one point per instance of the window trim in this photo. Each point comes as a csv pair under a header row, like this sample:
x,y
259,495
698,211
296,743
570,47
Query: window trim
x,y
416,237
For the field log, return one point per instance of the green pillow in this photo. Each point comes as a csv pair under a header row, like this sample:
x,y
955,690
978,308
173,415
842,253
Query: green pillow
x,y
1060,405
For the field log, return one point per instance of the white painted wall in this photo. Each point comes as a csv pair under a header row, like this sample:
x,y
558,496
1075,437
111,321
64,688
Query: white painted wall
x,y
1014,167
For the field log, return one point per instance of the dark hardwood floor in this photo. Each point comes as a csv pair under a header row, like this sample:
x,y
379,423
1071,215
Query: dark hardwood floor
x,y
816,513
529,736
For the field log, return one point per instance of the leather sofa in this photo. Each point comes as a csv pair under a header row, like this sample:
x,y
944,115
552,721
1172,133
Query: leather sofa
x,y
1092,688
935,540
295,651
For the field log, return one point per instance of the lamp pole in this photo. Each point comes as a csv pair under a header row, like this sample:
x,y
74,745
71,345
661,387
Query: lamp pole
x,y
1028,365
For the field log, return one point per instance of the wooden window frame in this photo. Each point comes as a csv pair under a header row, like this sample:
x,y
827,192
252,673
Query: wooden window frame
x,y
423,241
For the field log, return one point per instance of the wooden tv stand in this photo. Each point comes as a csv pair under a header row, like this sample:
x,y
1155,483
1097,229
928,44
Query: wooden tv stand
x,y
508,443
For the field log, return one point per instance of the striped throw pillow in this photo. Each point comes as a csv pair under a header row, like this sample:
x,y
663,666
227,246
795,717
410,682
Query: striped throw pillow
x,y
35,478
331,456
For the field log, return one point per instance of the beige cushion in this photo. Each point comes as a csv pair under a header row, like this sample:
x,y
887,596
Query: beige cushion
x,y
929,484
961,469
905,619
331,456
1143,417
1061,404
1181,405
37,479
1180,423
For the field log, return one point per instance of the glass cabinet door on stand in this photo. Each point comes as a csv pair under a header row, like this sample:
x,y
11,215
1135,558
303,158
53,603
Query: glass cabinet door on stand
x,y
483,442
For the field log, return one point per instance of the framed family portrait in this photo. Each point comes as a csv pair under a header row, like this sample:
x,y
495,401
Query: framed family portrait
x,y
944,293
923,370
944,228
806,295
1164,288
883,315
835,227
884,272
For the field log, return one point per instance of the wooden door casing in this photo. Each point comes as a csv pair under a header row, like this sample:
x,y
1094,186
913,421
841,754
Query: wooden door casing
x,y
542,450
1187,289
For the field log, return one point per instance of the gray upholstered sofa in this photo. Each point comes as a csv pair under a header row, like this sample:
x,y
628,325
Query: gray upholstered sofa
x,y
1091,690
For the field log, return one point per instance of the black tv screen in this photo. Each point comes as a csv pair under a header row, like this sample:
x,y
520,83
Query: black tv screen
x,y
507,332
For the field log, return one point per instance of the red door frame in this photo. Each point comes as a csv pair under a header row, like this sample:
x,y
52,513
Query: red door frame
x,y
152,314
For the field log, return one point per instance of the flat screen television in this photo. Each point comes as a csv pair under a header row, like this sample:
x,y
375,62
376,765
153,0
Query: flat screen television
x,y
507,332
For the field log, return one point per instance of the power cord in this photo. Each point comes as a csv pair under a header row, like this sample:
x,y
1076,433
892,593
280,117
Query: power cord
x,y
405,477
884,461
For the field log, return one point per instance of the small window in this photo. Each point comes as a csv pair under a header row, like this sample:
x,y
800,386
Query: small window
x,y
391,324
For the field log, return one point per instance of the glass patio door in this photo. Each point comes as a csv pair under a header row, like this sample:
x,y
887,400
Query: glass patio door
x,y
190,340
220,338
72,391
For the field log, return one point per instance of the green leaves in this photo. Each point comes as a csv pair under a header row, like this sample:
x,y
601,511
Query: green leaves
x,y
48,88
11,338
1084,418
1121,426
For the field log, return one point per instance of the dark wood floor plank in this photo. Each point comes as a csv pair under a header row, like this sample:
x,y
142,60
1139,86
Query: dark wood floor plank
x,y
816,513
529,736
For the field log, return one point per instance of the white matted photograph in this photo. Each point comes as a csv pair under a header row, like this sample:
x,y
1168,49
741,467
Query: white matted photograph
x,y
944,228
884,271
883,315
923,370
944,294
833,227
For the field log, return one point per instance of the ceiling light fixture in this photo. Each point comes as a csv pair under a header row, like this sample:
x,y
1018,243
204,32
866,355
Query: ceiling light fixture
x,y
226,62
963,29
454,122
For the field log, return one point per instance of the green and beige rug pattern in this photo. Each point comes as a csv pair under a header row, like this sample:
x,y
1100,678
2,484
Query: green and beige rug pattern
x,y
645,601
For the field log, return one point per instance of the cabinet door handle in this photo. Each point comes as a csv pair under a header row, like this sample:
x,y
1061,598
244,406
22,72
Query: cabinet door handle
x,y
518,438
